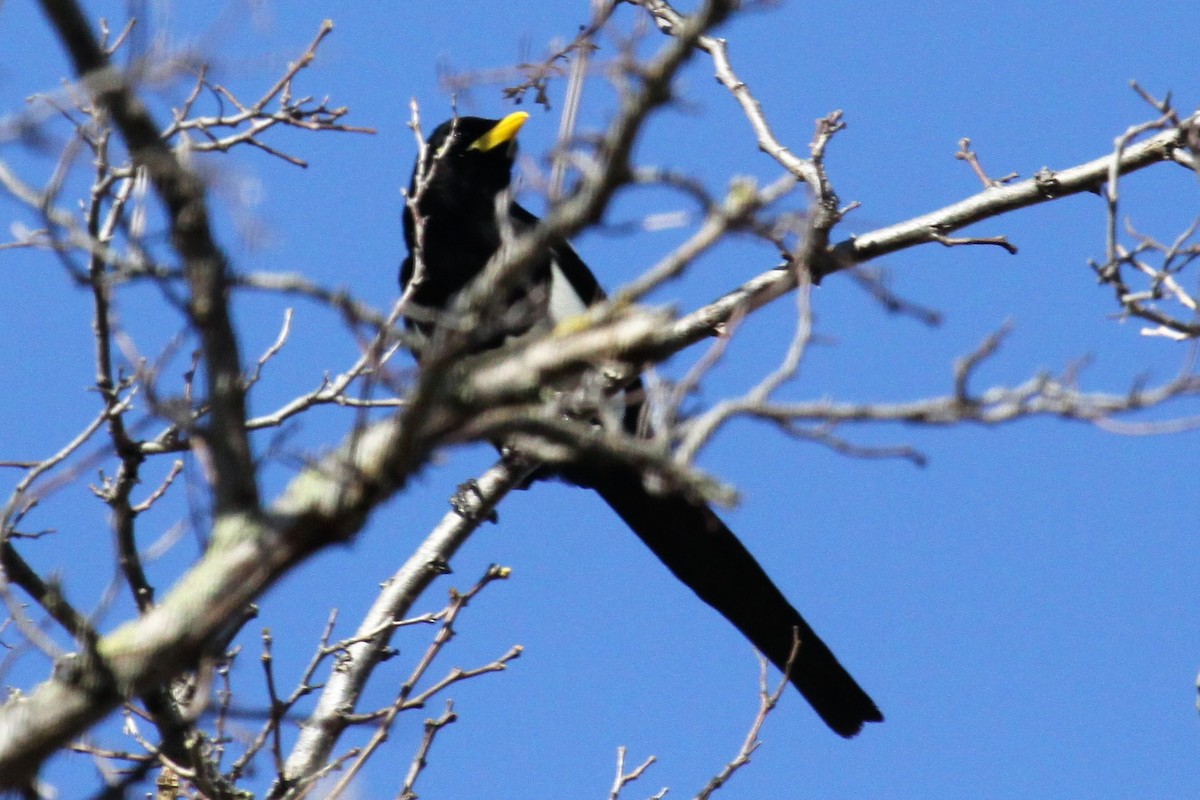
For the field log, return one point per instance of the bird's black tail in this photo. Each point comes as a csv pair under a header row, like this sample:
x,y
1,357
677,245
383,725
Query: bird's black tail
x,y
695,545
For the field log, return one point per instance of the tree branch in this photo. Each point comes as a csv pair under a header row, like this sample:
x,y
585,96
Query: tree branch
x,y
205,266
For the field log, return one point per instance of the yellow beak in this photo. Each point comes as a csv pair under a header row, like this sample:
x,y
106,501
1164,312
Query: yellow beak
x,y
504,131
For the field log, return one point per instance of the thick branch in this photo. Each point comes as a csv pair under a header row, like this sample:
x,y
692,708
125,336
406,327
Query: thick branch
x,y
325,504
183,196
347,680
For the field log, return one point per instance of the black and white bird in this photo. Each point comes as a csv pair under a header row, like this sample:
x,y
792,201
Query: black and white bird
x,y
467,167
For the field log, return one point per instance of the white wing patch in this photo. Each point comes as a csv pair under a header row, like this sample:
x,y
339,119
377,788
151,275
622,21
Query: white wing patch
x,y
564,301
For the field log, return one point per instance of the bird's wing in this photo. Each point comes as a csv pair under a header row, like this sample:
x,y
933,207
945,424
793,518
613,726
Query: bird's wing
x,y
573,287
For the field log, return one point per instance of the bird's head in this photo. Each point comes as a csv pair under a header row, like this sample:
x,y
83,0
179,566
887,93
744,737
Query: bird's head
x,y
467,160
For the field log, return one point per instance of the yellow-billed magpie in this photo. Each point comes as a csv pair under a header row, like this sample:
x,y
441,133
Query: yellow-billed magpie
x,y
467,166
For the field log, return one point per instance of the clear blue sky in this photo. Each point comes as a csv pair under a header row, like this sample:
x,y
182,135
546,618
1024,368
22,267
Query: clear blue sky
x,y
1022,609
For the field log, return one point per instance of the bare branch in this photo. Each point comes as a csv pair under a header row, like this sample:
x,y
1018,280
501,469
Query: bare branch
x,y
624,778
344,686
1045,186
183,196
252,120
421,758
405,698
767,701
965,153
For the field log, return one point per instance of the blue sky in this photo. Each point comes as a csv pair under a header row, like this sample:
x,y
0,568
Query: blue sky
x,y
1021,608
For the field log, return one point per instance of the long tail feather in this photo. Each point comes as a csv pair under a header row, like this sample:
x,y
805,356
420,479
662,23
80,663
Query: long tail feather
x,y
695,545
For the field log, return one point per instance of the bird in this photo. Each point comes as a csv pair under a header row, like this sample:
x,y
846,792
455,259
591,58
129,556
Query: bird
x,y
464,209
